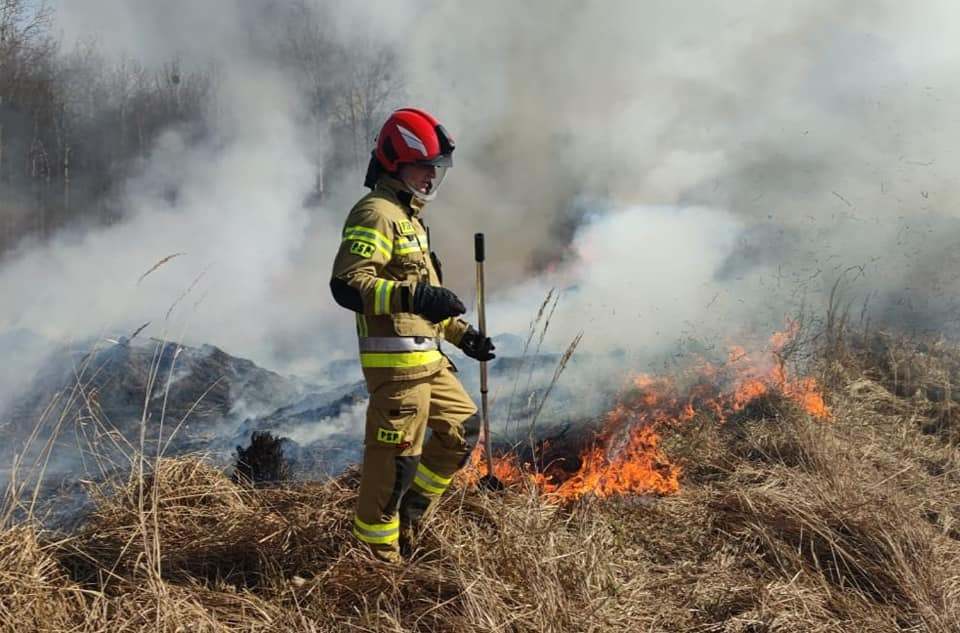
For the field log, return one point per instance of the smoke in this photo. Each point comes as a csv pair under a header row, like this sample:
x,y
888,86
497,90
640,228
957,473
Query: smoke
x,y
673,170
231,205
822,131
620,284
350,421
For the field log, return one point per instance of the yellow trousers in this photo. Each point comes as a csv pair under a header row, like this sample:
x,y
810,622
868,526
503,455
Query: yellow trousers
x,y
402,476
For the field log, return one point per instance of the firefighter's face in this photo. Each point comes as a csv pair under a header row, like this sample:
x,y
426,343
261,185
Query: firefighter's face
x,y
420,177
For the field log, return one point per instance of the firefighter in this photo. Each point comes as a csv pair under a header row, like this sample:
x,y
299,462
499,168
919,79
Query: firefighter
x,y
385,272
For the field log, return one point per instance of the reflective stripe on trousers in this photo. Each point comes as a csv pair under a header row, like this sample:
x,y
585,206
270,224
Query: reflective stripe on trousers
x,y
377,533
430,481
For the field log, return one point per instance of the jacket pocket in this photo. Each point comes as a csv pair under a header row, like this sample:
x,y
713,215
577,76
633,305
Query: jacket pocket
x,y
413,267
408,324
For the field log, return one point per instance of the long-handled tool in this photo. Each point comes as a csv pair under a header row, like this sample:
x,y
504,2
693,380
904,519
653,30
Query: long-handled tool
x,y
488,481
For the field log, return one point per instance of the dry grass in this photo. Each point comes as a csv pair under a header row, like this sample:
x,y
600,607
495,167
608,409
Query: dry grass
x,y
783,524
35,592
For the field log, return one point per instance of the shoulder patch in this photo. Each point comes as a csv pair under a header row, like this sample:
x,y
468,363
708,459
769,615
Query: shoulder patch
x,y
373,209
363,249
405,227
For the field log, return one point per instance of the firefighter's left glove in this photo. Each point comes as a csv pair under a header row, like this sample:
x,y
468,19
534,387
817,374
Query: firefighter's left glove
x,y
435,303
476,346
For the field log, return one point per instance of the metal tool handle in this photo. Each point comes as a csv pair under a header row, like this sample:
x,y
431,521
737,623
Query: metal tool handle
x,y
479,255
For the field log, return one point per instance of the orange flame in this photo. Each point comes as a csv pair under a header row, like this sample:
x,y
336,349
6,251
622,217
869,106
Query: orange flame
x,y
626,456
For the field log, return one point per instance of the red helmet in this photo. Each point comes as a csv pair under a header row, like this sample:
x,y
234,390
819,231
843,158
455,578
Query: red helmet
x,y
412,137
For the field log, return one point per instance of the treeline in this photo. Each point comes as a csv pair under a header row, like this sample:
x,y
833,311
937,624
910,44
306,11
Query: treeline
x,y
74,125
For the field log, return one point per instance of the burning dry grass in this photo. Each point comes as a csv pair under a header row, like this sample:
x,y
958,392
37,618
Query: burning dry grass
x,y
783,523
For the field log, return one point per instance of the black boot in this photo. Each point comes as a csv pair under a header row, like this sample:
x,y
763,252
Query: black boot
x,y
412,508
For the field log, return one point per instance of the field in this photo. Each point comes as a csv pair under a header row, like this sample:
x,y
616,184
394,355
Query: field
x,y
783,521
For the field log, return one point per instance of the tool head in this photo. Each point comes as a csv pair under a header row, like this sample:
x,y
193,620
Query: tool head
x,y
491,484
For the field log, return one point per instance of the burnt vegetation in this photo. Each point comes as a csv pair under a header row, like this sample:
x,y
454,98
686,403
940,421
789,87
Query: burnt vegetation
x,y
263,461
783,522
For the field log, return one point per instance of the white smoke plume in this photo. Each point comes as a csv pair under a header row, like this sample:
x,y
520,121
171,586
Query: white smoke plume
x,y
824,130
232,206
617,283
351,420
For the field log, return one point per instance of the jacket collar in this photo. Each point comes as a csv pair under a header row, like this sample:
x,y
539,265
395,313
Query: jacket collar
x,y
396,189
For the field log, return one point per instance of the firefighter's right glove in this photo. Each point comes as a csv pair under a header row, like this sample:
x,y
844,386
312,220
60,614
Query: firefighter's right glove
x,y
477,347
435,303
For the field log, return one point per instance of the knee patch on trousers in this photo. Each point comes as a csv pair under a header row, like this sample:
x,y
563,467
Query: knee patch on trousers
x,y
414,506
406,470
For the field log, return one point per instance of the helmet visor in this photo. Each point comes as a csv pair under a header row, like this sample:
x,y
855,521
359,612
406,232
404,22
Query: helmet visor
x,y
423,179
443,160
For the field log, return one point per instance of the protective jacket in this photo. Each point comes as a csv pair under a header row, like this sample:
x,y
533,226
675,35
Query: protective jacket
x,y
383,254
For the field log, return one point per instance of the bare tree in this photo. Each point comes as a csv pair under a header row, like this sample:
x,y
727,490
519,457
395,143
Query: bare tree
x,y
73,125
25,51
369,85
351,88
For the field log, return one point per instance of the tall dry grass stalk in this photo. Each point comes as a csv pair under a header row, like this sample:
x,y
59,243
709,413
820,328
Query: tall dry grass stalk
x,y
557,372
159,264
531,332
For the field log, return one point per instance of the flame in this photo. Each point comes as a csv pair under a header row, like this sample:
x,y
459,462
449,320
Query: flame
x,y
626,456
641,466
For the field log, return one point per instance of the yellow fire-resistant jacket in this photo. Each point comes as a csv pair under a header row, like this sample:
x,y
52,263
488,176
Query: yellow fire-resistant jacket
x,y
383,255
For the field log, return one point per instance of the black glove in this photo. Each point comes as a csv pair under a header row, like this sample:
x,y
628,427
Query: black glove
x,y
476,346
435,303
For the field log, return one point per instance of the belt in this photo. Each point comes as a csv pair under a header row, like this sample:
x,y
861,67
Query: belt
x,y
397,344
